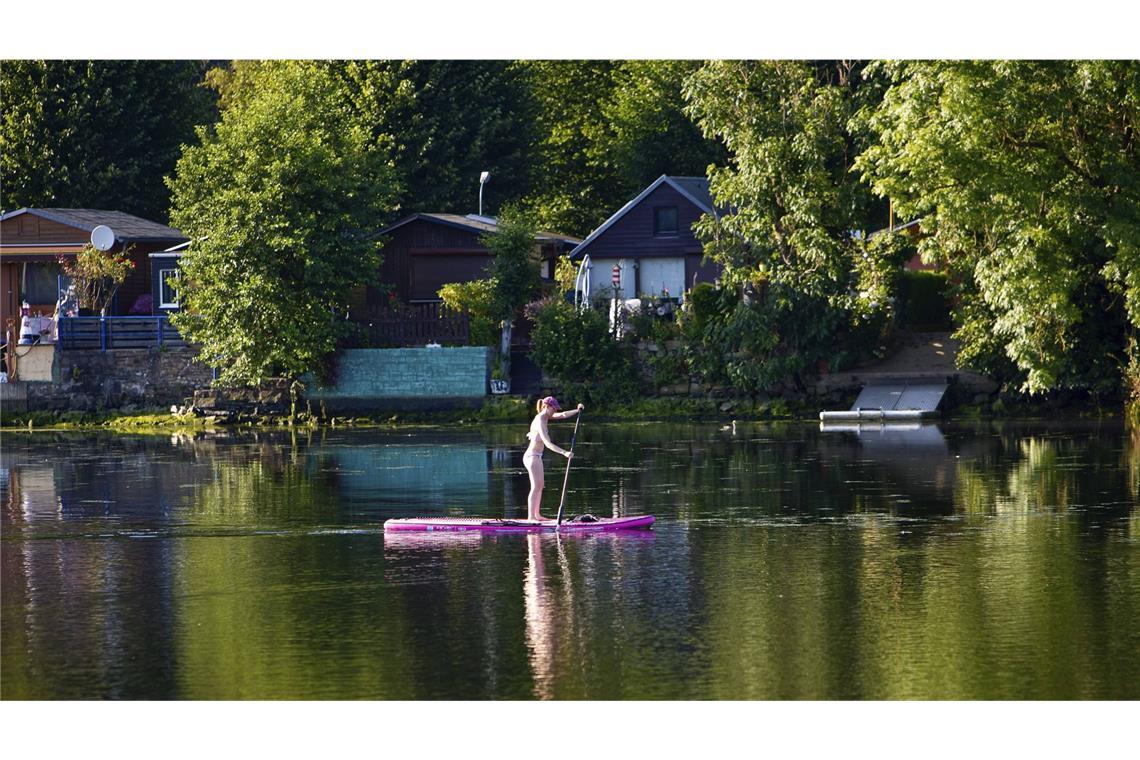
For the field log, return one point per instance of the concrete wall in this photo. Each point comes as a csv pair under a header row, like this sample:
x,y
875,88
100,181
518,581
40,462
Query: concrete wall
x,y
34,364
406,378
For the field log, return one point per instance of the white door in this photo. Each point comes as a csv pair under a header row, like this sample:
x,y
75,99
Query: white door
x,y
660,275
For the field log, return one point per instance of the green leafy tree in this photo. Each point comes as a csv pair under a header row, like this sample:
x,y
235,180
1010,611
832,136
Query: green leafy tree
x,y
450,120
810,288
650,133
512,280
606,129
446,122
97,134
282,201
514,272
1026,175
578,187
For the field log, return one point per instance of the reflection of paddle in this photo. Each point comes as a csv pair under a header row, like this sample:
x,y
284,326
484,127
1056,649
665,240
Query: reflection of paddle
x,y
566,477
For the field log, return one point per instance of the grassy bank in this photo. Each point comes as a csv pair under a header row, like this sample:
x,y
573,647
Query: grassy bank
x,y
512,410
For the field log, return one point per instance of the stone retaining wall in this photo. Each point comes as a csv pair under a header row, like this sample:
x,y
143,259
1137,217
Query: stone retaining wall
x,y
124,379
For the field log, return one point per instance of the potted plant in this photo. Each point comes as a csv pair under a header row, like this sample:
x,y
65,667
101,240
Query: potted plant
x,y
500,381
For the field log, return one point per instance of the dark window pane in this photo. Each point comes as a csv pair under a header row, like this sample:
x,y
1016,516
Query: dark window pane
x,y
665,220
41,284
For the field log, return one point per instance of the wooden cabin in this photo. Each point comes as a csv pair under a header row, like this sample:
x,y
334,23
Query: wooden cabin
x,y
651,240
33,239
423,252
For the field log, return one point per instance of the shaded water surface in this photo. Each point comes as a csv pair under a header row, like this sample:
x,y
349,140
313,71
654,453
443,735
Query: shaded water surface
x,y
963,562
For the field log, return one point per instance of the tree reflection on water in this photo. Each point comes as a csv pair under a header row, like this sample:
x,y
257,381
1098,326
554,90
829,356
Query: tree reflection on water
x,y
989,561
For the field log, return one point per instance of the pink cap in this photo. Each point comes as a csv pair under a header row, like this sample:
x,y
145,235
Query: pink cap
x,y
552,402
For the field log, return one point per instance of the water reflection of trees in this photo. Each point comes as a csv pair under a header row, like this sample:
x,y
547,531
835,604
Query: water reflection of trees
x,y
1028,594
1043,470
704,472
263,484
1024,586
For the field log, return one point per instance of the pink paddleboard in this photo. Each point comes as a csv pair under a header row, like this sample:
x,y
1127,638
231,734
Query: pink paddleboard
x,y
462,524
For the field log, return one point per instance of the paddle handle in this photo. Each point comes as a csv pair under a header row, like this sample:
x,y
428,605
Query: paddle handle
x,y
566,477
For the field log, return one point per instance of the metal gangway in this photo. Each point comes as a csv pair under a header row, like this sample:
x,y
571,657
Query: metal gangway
x,y
891,401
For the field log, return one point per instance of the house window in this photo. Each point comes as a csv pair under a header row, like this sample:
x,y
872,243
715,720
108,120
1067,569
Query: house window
x,y
167,296
41,284
665,220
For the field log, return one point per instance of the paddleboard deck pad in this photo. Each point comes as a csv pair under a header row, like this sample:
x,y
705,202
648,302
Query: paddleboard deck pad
x,y
493,524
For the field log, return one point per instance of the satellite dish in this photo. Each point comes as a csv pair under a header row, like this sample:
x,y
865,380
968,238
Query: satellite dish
x,y
103,237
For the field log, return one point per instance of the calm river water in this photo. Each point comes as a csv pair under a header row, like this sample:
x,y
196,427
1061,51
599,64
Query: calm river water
x,y
951,562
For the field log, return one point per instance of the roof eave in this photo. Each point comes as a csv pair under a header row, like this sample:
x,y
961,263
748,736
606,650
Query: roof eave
x,y
420,216
629,206
617,215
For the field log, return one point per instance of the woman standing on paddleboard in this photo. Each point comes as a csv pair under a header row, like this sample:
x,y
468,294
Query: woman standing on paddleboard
x,y
539,435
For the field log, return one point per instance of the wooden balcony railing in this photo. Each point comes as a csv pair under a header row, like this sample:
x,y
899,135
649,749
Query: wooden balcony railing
x,y
110,333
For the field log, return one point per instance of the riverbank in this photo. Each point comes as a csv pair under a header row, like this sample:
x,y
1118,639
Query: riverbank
x,y
511,409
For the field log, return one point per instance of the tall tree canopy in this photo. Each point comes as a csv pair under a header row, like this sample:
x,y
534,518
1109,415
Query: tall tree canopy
x,y
649,132
446,122
606,130
575,187
450,120
282,201
1027,178
792,205
97,134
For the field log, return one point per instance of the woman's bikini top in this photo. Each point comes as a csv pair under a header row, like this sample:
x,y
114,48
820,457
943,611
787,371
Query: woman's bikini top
x,y
536,445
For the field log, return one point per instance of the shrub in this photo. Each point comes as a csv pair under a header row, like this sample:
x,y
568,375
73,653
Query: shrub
x,y
703,305
577,349
475,298
668,368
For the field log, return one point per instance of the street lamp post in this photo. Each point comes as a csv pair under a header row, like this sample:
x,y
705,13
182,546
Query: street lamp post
x,y
482,181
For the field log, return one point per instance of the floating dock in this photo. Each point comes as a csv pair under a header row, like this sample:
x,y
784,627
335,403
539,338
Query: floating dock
x,y
892,402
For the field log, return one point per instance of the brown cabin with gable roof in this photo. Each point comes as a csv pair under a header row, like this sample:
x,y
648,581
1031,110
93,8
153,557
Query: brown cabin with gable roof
x,y
32,240
422,252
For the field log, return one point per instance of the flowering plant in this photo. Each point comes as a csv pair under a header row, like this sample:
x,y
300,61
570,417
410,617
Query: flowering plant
x,y
96,275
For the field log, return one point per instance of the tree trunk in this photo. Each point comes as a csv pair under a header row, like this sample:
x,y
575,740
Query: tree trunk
x,y
505,348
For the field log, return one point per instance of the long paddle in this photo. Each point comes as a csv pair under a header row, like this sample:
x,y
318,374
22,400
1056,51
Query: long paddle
x,y
566,477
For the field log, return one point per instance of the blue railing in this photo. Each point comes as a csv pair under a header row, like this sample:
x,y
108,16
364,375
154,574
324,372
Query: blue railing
x,y
109,333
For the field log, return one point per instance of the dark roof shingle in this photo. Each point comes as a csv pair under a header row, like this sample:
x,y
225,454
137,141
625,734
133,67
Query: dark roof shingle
x,y
125,226
477,224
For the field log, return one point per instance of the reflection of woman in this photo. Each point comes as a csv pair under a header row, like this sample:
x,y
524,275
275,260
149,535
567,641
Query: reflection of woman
x,y
539,435
540,627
